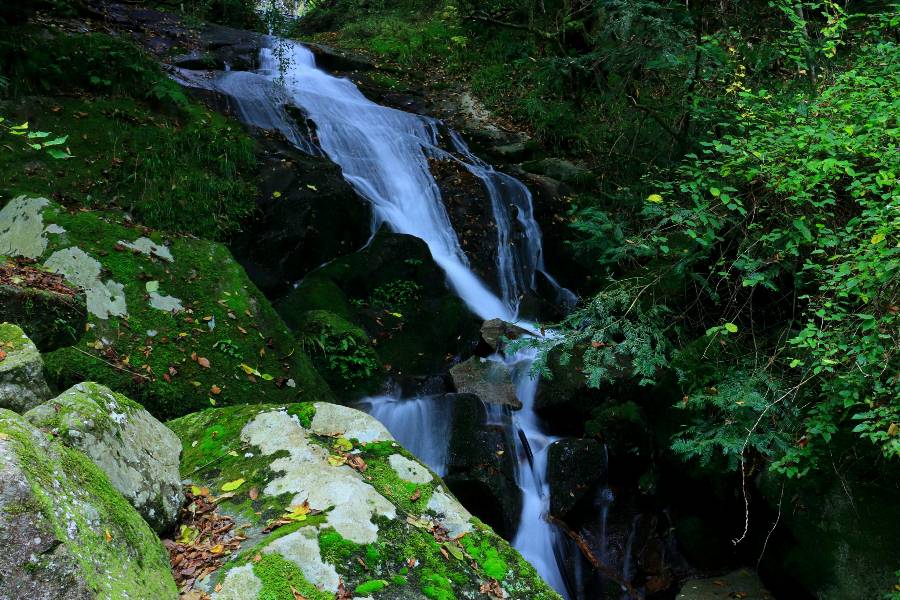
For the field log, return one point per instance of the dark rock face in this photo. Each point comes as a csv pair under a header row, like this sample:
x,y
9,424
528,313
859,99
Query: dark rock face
x,y
481,467
469,209
307,216
837,538
51,319
486,379
495,333
392,289
574,469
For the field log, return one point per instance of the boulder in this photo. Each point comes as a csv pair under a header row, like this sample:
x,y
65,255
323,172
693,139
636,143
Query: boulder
x,y
393,289
560,170
22,383
487,379
495,331
50,311
325,498
574,469
65,531
743,583
481,465
307,215
138,453
837,535
171,318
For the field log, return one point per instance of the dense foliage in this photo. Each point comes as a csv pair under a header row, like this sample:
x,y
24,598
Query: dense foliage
x,y
742,227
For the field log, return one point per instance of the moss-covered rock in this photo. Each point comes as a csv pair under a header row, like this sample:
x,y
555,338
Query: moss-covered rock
x,y
487,379
22,383
351,510
392,289
175,323
574,468
139,454
51,312
65,531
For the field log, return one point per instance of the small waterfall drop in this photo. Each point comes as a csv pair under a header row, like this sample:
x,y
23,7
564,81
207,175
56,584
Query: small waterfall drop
x,y
384,154
421,424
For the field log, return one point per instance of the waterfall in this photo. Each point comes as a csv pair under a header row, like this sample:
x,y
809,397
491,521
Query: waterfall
x,y
384,154
421,424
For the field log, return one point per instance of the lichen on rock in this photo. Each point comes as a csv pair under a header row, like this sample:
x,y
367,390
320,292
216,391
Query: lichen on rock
x,y
139,454
66,532
22,383
326,498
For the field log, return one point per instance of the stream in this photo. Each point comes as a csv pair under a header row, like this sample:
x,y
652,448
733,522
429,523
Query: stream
x,y
384,154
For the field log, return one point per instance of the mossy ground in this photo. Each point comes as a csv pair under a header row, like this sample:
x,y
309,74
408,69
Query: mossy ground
x,y
118,554
137,142
148,355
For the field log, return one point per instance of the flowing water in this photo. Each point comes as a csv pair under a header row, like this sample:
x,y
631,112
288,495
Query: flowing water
x,y
384,154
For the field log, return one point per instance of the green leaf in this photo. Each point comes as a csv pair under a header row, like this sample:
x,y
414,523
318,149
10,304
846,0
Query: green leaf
x,y
232,485
58,154
731,327
57,141
152,286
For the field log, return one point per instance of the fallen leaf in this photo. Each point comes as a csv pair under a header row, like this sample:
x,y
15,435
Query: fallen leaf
x,y
232,485
416,495
107,536
216,390
203,362
254,493
297,595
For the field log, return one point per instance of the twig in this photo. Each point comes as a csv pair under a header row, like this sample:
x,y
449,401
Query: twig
x,y
599,565
771,531
114,366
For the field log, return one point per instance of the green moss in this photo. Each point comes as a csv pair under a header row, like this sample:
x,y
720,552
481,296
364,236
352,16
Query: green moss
x,y
279,575
304,411
137,141
334,548
486,555
398,580
341,351
384,478
436,586
63,482
160,371
371,586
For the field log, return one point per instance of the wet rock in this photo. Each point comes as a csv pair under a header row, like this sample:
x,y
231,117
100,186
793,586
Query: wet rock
x,y
481,465
392,288
373,508
335,60
742,584
495,331
561,170
65,531
837,537
307,216
52,317
574,469
487,379
22,383
138,453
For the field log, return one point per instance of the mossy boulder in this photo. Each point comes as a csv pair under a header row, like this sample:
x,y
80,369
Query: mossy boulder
x,y
174,321
743,583
139,454
341,352
393,289
328,500
838,534
51,312
66,533
22,383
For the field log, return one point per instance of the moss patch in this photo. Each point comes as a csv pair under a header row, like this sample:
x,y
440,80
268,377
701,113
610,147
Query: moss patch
x,y
64,483
153,355
279,576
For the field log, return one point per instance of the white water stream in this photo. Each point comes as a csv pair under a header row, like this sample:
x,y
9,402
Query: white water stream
x,y
384,153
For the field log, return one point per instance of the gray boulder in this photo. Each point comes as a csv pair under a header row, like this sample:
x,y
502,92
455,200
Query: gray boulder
x,y
65,531
138,453
22,383
742,583
495,331
487,379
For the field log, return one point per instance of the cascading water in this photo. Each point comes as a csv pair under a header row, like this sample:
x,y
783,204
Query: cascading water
x,y
421,424
384,154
